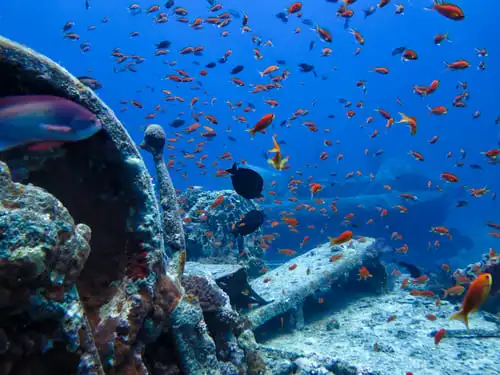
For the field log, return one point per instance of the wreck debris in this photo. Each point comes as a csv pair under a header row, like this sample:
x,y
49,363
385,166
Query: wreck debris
x,y
103,182
231,278
288,286
154,141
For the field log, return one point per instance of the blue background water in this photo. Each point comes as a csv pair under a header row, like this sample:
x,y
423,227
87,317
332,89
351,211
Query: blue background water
x,y
38,24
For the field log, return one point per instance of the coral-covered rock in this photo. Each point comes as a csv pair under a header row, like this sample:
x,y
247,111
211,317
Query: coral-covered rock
x,y
40,245
209,230
42,252
210,296
489,263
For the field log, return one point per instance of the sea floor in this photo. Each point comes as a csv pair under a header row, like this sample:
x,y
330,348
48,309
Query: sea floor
x,y
360,334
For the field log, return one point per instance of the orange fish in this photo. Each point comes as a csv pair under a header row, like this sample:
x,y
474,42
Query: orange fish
x,y
287,252
456,290
411,121
439,336
290,221
336,257
261,125
476,294
344,237
364,274
218,201
315,188
448,10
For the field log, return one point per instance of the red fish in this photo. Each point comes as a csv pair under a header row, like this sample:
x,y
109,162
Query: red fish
x,y
261,125
451,11
342,238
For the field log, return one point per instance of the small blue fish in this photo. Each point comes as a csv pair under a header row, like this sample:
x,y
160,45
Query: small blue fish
x,y
40,122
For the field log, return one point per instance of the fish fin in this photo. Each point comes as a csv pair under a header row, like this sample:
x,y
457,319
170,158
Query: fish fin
x,y
461,316
233,169
55,128
283,162
40,146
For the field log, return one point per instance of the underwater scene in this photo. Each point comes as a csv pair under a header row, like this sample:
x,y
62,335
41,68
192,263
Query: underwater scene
x,y
195,187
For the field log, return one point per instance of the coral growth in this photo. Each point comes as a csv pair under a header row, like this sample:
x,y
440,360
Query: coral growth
x,y
220,243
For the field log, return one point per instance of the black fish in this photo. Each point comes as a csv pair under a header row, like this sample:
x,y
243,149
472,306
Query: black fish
x,y
246,182
211,65
283,123
281,142
163,44
331,116
476,166
308,22
231,138
306,68
93,83
265,155
281,62
177,123
282,16
87,5
222,60
413,270
251,105
252,221
237,69
462,204
311,45
68,25
398,51
169,4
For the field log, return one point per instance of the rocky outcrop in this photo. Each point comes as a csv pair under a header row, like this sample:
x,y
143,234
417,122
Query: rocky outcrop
x,y
42,252
209,230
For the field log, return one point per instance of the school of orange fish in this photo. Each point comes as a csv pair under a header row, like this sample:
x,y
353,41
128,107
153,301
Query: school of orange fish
x,y
205,127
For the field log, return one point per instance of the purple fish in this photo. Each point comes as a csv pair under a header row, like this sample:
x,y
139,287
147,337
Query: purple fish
x,y
41,121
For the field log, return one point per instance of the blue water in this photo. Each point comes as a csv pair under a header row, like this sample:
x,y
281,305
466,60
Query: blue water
x,y
38,24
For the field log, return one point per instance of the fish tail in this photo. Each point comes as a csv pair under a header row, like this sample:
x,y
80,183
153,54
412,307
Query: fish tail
x,y
461,315
445,294
404,118
283,162
251,131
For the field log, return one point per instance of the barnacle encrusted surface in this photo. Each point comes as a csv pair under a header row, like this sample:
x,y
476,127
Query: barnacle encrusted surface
x,y
40,245
42,252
